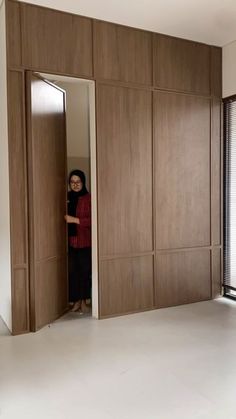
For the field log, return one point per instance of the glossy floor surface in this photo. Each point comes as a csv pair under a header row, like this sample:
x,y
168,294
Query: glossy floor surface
x,y
166,364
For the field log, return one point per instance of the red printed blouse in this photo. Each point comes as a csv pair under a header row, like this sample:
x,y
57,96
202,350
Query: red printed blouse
x,y
83,212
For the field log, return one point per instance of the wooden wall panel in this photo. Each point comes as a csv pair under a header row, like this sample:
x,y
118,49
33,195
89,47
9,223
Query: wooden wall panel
x,y
183,277
216,273
13,33
124,151
216,72
185,180
122,53
182,170
20,302
216,172
181,65
56,41
18,203
126,285
17,168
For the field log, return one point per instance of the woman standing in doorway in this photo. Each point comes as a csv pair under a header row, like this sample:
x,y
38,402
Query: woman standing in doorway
x,y
79,232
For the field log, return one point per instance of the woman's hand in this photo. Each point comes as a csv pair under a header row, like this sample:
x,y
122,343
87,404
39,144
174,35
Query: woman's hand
x,y
70,219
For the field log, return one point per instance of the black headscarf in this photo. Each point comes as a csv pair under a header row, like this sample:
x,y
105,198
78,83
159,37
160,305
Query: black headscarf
x,y
73,198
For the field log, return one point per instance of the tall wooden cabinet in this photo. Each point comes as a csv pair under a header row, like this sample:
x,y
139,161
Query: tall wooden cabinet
x,y
159,156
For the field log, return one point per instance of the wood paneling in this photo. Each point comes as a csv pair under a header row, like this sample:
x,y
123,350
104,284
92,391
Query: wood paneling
x,y
20,302
13,33
182,170
56,41
126,285
216,71
17,168
186,187
216,273
181,65
122,53
216,172
183,277
124,150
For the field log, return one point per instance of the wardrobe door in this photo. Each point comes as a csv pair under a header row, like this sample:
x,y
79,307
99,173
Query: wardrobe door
x,y
47,200
124,151
182,170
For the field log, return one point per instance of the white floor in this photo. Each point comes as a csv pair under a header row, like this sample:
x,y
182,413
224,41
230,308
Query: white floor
x,y
176,363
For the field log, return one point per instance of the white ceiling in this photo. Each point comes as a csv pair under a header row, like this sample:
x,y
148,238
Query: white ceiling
x,y
209,21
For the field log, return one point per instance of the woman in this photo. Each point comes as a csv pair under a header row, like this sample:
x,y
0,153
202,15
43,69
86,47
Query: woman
x,y
79,231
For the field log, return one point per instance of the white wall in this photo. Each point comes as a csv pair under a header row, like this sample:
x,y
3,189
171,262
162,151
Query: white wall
x,y
77,110
229,69
77,121
5,265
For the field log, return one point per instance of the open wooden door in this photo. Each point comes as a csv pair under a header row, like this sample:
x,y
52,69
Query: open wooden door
x,y
46,139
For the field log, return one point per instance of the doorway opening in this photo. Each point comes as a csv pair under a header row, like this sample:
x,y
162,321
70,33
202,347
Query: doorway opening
x,y
80,154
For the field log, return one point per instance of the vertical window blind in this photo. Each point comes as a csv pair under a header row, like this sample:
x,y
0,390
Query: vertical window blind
x,y
229,278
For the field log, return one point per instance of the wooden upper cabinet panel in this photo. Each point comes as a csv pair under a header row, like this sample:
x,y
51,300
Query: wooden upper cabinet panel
x,y
124,150
182,170
121,53
216,71
56,41
181,65
13,33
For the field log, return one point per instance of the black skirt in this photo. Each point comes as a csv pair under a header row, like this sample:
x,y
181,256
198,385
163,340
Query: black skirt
x,y
80,270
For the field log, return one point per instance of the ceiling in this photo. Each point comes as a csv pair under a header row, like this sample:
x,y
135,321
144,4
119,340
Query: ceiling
x,y
209,21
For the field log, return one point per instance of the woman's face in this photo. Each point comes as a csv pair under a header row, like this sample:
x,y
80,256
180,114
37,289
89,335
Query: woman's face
x,y
75,183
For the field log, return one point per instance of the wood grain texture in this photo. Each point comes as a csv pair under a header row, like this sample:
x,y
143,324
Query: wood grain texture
x,y
56,41
182,278
47,194
126,285
20,302
124,151
51,290
122,53
216,72
216,172
216,273
13,25
17,169
182,170
181,65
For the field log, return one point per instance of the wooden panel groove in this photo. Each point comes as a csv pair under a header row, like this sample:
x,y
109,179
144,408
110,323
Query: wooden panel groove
x,y
125,255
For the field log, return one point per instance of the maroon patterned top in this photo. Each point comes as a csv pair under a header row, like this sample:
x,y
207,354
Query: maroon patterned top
x,y
83,212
